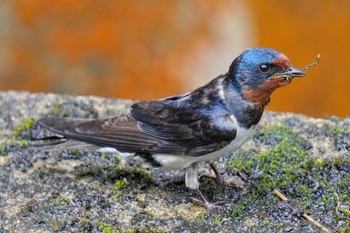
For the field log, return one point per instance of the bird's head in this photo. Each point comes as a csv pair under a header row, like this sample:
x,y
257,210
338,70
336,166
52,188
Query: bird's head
x,y
257,72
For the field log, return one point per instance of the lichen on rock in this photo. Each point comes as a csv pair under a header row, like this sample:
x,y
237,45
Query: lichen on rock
x,y
87,191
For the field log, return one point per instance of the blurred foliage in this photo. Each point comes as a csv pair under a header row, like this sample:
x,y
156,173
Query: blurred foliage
x,y
121,48
139,49
303,29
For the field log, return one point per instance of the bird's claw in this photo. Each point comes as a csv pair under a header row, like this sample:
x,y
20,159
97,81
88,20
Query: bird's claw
x,y
205,203
209,206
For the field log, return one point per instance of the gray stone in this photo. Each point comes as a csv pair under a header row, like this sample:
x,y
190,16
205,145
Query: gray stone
x,y
54,190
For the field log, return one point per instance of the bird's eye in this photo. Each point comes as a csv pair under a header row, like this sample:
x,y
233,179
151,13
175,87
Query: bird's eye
x,y
264,68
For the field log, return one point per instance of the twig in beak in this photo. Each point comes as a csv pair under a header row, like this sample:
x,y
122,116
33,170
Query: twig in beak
x,y
312,64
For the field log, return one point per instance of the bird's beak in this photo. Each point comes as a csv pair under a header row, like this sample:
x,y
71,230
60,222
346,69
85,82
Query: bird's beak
x,y
290,73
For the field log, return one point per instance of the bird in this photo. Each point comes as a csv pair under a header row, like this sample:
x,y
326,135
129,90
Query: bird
x,y
183,130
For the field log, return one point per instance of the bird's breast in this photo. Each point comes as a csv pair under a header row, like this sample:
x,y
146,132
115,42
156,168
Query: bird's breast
x,y
184,161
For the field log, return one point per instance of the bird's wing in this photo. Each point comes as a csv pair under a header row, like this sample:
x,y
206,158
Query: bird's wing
x,y
152,127
185,130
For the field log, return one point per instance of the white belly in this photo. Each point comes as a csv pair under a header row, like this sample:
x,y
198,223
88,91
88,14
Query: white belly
x,y
183,161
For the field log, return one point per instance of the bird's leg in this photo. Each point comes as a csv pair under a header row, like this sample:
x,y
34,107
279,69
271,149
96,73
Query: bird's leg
x,y
191,181
191,178
218,178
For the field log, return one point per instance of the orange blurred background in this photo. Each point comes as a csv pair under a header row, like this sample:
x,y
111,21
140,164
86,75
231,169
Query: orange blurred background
x,y
151,49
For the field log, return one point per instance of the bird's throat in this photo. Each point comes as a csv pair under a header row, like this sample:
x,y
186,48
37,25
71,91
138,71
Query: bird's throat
x,y
263,92
256,95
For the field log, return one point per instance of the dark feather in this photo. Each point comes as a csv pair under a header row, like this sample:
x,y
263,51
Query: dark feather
x,y
166,126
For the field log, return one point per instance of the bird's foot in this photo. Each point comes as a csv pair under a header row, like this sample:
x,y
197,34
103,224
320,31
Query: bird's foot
x,y
202,201
208,205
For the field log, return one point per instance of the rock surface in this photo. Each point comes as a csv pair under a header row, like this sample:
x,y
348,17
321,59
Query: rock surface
x,y
53,190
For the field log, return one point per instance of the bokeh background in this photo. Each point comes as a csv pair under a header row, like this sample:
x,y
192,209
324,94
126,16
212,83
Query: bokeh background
x,y
149,49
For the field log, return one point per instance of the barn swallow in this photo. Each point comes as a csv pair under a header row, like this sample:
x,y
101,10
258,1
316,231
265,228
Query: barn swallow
x,y
202,125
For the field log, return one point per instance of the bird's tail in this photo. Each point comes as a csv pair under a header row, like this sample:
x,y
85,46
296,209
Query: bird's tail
x,y
60,125
60,142
120,132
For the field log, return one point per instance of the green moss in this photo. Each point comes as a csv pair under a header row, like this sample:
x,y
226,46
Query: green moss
x,y
345,211
142,229
70,107
270,223
132,230
10,144
59,109
141,173
340,137
119,185
286,165
27,124
85,225
105,228
74,152
218,219
334,131
238,210
91,172
62,201
116,159
84,220
279,164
